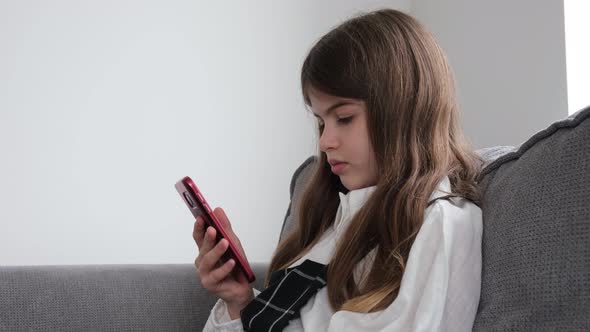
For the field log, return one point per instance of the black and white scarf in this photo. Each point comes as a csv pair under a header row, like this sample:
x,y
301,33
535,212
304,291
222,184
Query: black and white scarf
x,y
281,301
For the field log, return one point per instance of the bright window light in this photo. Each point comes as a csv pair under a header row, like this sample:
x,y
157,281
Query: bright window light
x,y
577,53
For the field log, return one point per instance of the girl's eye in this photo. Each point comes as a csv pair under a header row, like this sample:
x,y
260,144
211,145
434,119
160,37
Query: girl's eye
x,y
345,120
342,121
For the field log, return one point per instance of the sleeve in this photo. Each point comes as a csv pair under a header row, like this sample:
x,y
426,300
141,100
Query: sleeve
x,y
441,285
219,320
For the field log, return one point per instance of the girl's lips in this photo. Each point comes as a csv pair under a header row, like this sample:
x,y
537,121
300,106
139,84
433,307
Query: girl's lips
x,y
338,168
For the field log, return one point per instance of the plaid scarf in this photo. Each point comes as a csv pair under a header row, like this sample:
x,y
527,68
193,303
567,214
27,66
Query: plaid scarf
x,y
281,301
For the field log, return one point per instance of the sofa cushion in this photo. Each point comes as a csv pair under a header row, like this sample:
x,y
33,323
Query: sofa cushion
x,y
134,297
298,182
536,238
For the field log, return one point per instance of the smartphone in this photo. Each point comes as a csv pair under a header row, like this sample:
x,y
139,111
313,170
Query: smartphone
x,y
198,206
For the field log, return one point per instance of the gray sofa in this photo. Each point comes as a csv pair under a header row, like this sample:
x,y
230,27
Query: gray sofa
x,y
536,256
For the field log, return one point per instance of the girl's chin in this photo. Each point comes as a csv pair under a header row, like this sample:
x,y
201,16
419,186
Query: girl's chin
x,y
354,185
350,185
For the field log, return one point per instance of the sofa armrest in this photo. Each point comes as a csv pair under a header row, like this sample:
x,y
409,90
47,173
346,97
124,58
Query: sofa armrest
x,y
138,297
259,270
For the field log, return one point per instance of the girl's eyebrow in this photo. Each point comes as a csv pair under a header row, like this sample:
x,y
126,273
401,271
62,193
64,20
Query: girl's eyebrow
x,y
335,106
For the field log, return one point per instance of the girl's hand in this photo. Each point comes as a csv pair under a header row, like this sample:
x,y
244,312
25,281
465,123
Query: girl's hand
x,y
216,275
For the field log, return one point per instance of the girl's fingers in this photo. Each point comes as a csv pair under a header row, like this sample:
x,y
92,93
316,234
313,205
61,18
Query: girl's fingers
x,y
213,256
218,275
199,231
208,241
224,220
241,278
222,217
236,241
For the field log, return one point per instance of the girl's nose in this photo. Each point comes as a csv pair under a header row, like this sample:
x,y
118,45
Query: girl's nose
x,y
328,140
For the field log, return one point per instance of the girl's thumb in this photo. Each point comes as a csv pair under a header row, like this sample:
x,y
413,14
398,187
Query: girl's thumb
x,y
220,214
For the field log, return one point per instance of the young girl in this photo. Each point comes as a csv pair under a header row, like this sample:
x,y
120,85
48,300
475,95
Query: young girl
x,y
389,233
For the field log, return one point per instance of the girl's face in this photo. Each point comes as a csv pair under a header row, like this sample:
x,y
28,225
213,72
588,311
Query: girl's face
x,y
345,139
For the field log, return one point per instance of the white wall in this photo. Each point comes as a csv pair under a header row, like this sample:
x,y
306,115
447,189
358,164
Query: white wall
x,y
577,27
509,61
104,105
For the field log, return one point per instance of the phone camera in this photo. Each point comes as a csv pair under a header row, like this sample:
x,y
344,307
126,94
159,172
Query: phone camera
x,y
189,199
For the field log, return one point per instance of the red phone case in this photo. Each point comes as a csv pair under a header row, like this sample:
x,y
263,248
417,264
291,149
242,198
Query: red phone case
x,y
198,206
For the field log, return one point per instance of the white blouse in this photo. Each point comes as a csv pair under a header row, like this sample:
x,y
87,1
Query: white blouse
x,y
440,286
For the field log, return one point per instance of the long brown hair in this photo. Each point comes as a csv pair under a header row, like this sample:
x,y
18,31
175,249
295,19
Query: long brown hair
x,y
388,60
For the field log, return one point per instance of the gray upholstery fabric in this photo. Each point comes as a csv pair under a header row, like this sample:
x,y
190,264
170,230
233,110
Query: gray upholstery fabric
x,y
492,153
536,238
298,181
105,298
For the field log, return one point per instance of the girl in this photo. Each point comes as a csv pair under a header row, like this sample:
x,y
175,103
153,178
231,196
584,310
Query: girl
x,y
380,244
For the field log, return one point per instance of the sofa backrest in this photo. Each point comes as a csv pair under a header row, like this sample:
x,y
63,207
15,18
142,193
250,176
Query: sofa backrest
x,y
119,297
536,238
163,297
